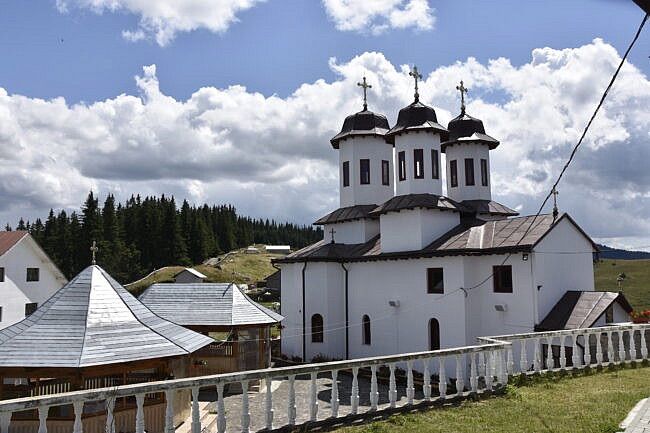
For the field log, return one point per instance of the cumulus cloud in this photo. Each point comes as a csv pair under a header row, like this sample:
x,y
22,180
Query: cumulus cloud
x,y
270,156
163,19
379,15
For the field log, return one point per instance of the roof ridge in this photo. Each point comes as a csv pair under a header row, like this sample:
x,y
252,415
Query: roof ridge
x,y
252,302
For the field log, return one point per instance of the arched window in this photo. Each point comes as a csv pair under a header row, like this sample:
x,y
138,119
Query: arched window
x,y
316,328
366,329
434,334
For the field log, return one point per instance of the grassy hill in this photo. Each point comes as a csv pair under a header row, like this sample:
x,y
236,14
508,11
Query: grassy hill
x,y
636,285
236,266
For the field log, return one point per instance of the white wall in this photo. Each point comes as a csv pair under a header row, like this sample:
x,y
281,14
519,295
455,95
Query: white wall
x,y
15,290
352,232
620,316
353,150
459,152
413,229
407,142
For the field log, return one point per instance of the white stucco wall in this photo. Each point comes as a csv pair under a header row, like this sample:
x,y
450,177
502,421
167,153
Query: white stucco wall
x,y
413,229
418,140
352,232
16,291
620,316
375,149
459,152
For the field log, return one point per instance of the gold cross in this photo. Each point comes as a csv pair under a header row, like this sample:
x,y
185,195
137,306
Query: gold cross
x,y
417,76
365,87
463,90
94,250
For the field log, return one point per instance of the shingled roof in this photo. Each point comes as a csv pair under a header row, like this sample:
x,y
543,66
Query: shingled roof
x,y
578,309
9,239
206,304
92,321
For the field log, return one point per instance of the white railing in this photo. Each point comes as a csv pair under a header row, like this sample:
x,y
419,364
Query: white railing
x,y
446,374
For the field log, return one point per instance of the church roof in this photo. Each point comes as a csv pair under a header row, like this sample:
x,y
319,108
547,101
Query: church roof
x,y
93,321
413,201
363,123
578,309
465,128
486,207
416,117
209,304
344,214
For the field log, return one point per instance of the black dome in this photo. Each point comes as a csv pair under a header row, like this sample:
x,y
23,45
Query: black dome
x,y
416,117
359,124
467,128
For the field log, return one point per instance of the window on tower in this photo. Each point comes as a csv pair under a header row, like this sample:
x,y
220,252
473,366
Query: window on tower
x,y
469,171
453,173
484,172
346,173
401,162
418,163
435,169
364,170
385,173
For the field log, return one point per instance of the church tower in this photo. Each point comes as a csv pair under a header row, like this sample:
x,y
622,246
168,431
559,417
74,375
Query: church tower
x,y
468,156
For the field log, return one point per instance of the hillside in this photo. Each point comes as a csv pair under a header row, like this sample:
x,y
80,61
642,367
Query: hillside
x,y
618,254
636,285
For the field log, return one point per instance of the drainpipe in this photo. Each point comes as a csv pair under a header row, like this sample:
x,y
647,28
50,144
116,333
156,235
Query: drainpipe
x,y
304,315
347,316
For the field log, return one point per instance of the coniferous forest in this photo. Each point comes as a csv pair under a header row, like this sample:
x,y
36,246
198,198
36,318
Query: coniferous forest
x,y
141,235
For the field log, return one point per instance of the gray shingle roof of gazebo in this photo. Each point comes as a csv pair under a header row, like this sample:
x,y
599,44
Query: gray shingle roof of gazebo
x,y
93,321
207,304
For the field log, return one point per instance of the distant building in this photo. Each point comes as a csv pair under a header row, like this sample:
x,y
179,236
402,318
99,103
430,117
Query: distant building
x,y
252,250
189,275
274,281
28,277
277,249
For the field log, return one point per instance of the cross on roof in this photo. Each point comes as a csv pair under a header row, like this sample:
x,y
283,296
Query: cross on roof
x,y
365,87
416,76
93,250
332,232
463,90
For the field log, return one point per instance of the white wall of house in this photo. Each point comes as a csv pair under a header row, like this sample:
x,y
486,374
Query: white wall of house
x,y
458,153
620,316
352,232
407,142
413,229
16,290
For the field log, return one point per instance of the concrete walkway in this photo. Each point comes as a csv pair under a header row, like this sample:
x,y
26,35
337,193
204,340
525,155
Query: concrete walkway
x,y
638,420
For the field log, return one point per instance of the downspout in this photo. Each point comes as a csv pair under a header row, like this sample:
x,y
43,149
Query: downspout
x,y
304,315
347,316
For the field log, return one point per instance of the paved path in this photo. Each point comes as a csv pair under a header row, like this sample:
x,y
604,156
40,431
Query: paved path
x,y
638,421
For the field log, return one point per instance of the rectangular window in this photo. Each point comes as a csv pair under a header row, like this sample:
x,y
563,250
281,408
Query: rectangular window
x,y
418,163
435,280
2,274
0,314
469,171
364,170
401,162
30,308
346,173
32,274
609,314
435,166
385,173
484,172
502,279
453,173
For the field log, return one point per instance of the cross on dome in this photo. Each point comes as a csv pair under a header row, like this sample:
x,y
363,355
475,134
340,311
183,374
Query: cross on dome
x,y
416,76
365,87
556,212
463,91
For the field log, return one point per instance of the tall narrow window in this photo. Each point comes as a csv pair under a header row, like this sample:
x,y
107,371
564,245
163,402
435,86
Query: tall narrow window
x,y
366,329
435,280
502,276
469,171
435,166
453,173
346,173
2,274
484,172
418,163
316,328
364,170
385,173
30,308
434,334
401,162
609,314
32,274
0,314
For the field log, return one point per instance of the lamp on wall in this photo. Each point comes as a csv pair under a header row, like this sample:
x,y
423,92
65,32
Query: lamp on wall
x,y
394,303
524,257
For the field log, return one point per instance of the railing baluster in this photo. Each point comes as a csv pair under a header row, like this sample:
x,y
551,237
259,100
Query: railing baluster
x,y
374,393
313,397
510,362
392,388
633,356
410,388
488,371
245,412
269,402
575,357
335,394
196,412
78,407
644,345
621,347
139,413
426,380
460,380
5,422
354,398
42,418
504,369
587,350
473,376
523,358
536,362
610,348
599,349
221,409
562,353
550,362
481,364
291,409
442,379
110,417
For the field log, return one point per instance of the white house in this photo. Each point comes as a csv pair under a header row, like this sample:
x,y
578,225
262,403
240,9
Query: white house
x,y
27,276
404,268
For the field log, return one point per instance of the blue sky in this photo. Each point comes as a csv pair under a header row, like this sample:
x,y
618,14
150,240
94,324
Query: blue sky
x,y
234,101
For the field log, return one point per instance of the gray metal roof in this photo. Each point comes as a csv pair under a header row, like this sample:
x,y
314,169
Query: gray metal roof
x,y
577,309
207,304
349,213
93,320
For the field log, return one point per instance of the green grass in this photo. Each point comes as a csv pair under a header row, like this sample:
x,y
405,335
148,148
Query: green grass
x,y
636,285
594,403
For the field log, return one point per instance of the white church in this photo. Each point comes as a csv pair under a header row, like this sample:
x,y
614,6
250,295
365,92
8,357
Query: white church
x,y
403,268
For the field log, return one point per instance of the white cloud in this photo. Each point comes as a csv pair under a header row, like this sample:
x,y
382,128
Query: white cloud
x,y
163,19
271,156
379,15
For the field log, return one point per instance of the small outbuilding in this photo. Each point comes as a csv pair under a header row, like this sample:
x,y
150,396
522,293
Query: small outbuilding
x,y
189,275
277,249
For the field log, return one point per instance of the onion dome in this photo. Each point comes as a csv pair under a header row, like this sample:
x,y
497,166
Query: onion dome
x,y
363,123
416,117
464,129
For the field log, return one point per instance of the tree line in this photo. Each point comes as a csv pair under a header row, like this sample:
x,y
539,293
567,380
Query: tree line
x,y
145,234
